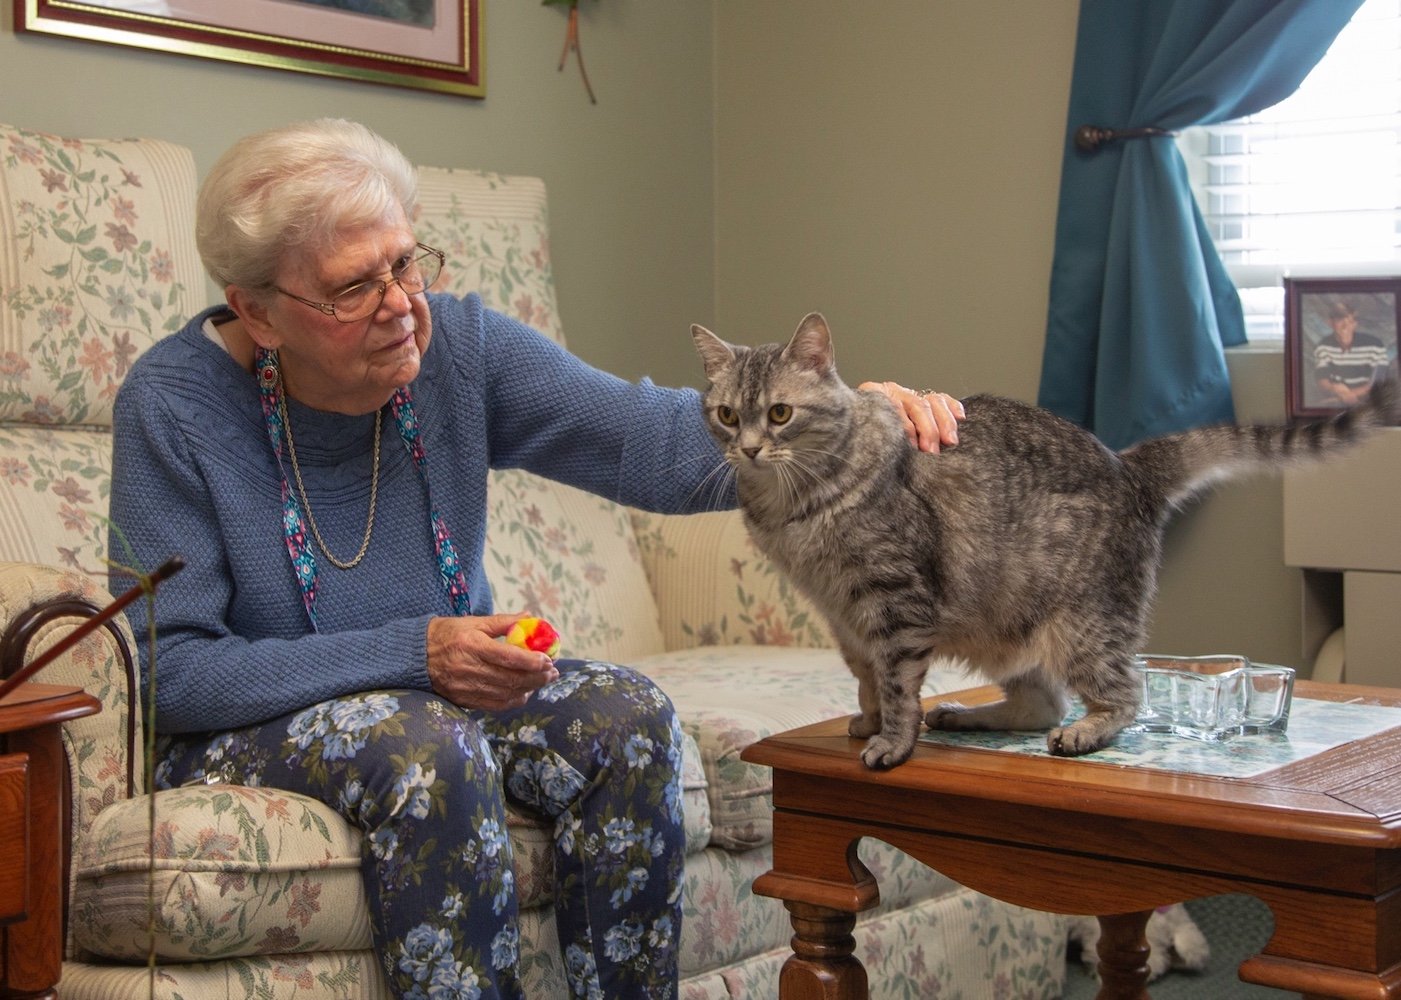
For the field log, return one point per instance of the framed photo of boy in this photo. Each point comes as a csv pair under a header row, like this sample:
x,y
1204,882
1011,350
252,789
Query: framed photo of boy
x,y
1340,337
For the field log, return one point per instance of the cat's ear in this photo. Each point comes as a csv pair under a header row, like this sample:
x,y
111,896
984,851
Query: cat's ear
x,y
715,354
811,346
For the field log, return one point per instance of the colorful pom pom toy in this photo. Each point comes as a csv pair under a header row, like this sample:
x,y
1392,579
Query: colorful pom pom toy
x,y
534,634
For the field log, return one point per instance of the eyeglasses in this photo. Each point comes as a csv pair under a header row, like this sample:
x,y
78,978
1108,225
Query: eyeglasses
x,y
363,299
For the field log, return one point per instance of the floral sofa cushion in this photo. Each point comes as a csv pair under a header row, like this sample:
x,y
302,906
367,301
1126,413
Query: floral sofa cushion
x,y
495,231
100,263
67,474
237,871
297,976
710,595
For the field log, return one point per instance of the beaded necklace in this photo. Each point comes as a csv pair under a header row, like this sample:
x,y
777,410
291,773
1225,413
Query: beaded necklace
x,y
294,521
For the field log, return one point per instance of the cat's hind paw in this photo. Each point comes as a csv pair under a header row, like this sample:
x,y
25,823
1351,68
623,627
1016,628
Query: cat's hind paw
x,y
882,753
862,726
1074,740
947,715
1094,731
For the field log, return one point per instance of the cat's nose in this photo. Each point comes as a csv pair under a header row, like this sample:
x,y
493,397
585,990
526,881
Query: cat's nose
x,y
750,452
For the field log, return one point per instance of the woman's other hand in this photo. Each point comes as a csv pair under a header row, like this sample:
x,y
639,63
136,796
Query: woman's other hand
x,y
470,667
930,418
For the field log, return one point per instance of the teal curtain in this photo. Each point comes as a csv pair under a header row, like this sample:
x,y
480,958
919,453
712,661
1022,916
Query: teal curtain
x,y
1140,304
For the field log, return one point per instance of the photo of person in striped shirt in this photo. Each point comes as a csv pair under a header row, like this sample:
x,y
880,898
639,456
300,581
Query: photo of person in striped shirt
x,y
1348,362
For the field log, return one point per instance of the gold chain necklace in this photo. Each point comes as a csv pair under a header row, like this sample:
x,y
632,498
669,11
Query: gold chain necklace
x,y
306,504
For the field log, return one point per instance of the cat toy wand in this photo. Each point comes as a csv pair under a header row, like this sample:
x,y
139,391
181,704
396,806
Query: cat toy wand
x,y
148,583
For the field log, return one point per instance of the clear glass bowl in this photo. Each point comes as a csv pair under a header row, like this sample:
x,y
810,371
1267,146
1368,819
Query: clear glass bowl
x,y
1212,697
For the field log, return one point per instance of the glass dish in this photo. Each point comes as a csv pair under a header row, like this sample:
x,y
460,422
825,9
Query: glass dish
x,y
1212,697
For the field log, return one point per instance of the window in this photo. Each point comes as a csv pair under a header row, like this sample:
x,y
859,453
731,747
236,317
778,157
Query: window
x,y
1312,186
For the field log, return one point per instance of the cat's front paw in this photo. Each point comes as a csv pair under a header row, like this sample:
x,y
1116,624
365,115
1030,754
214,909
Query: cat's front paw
x,y
882,753
863,725
946,716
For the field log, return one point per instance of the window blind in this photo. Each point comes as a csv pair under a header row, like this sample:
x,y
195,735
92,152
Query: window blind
x,y
1311,186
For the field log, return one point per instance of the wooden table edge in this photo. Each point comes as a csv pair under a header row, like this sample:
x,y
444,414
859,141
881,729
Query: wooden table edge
x,y
56,703
1123,791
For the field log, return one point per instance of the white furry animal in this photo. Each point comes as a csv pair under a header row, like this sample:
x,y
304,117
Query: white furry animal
x,y
1175,939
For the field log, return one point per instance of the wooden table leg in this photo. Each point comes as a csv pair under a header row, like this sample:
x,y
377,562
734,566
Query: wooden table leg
x,y
33,948
1123,956
822,966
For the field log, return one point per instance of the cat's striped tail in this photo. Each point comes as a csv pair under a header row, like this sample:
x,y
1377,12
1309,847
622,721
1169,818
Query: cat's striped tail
x,y
1177,467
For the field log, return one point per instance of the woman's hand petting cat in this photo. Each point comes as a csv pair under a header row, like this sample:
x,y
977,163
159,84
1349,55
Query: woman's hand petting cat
x,y
931,418
469,667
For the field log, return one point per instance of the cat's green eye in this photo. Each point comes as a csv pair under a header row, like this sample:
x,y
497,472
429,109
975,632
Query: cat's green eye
x,y
780,413
726,416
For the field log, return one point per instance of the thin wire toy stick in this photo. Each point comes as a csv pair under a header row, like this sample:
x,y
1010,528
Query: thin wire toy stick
x,y
165,571
146,584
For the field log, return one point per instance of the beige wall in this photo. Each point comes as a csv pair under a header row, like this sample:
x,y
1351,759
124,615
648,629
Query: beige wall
x,y
630,179
894,164
898,169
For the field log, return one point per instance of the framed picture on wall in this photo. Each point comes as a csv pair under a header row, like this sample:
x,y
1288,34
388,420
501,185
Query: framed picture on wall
x,y
1340,337
425,44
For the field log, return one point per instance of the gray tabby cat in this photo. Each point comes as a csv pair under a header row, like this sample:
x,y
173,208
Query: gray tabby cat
x,y
1030,550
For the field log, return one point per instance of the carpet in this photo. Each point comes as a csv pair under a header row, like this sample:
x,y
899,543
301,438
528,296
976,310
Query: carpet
x,y
1236,927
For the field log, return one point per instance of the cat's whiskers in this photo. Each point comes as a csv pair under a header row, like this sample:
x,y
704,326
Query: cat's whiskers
x,y
794,476
786,476
817,477
773,478
677,466
712,485
804,482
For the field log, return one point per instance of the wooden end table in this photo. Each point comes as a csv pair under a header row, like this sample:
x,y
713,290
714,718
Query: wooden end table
x,y
33,834
1318,840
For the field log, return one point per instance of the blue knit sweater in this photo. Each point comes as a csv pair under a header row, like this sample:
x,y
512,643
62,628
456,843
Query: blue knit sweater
x,y
194,475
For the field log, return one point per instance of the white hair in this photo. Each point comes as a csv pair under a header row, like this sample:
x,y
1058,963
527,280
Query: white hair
x,y
292,190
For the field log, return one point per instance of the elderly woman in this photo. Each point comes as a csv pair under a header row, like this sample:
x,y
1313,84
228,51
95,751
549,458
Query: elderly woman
x,y
317,449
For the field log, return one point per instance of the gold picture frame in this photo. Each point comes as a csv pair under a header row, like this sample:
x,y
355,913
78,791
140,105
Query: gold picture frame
x,y
424,44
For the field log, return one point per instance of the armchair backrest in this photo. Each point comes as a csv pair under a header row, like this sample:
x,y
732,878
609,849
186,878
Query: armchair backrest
x,y
97,261
495,231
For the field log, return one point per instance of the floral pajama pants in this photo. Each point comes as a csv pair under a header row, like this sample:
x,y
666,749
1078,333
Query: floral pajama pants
x,y
598,752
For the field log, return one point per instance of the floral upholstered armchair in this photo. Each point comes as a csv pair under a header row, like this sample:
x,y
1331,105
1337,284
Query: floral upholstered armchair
x,y
257,892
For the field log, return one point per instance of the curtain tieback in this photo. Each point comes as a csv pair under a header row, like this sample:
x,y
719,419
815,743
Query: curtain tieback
x,y
1091,137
